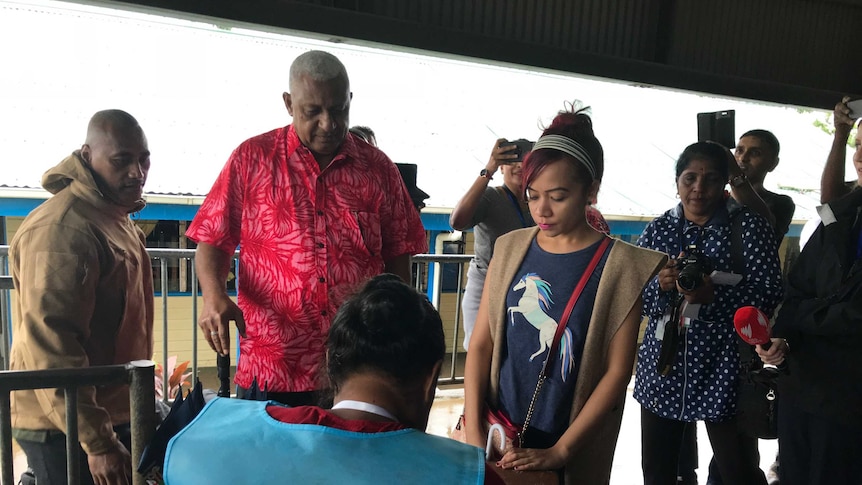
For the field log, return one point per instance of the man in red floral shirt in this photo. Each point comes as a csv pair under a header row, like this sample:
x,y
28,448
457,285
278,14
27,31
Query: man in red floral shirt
x,y
315,212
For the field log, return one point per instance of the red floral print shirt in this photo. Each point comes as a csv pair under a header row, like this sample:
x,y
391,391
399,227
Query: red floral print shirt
x,y
308,238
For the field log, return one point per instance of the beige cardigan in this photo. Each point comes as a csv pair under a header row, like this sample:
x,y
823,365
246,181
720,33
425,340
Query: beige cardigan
x,y
627,271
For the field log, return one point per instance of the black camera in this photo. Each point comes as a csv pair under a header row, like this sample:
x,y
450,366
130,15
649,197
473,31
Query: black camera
x,y
693,267
523,147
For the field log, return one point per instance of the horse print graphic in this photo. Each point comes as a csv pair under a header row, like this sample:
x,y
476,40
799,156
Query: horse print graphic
x,y
534,305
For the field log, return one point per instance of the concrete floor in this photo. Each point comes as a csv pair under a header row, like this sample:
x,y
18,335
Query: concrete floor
x,y
626,467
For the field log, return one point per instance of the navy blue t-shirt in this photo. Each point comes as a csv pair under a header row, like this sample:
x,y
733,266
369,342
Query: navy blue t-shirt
x,y
535,302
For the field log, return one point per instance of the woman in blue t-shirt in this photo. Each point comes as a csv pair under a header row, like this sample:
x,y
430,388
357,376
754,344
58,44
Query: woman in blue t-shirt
x,y
576,414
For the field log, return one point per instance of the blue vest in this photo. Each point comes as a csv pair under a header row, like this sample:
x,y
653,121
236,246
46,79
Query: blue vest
x,y
234,441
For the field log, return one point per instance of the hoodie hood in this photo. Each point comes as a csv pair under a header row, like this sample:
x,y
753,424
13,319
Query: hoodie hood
x,y
73,172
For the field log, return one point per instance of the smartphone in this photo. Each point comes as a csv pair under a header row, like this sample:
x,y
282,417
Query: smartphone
x,y
855,108
717,126
523,147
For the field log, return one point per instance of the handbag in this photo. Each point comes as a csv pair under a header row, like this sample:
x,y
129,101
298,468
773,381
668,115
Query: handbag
x,y
514,434
493,419
757,386
757,400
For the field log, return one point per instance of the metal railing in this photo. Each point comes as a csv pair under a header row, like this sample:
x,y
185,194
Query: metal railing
x,y
139,376
462,260
424,264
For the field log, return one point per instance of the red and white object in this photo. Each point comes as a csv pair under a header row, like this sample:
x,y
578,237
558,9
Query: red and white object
x,y
752,325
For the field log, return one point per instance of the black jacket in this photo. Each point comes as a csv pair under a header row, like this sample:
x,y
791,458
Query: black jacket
x,y
821,318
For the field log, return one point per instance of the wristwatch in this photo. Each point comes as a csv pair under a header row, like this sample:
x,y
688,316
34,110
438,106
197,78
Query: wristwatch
x,y
487,174
738,180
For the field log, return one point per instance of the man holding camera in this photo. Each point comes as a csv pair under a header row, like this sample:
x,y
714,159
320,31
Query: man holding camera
x,y
492,212
832,184
757,155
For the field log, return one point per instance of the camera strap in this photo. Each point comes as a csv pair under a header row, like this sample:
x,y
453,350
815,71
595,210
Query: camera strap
x,y
670,336
518,209
683,247
737,262
747,357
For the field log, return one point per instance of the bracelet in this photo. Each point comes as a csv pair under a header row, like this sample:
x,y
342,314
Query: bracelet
x,y
485,173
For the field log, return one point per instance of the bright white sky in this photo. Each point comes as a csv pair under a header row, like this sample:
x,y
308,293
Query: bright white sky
x,y
199,91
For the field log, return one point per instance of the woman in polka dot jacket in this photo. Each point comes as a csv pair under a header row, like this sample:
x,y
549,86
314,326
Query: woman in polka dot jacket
x,y
702,378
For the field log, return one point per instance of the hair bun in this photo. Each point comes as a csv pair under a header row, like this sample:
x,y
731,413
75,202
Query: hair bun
x,y
575,123
574,118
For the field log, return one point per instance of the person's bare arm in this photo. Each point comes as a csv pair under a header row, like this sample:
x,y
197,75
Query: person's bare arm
x,y
400,266
477,370
621,355
464,210
744,193
832,180
212,265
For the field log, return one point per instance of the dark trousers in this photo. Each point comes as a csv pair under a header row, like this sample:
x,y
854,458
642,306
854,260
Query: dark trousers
x,y
688,460
661,439
308,398
48,458
815,450
714,477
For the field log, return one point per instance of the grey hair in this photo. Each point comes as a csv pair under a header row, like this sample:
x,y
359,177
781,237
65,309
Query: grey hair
x,y
318,65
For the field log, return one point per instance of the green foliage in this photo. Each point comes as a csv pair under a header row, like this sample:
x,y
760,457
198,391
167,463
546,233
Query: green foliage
x,y
827,126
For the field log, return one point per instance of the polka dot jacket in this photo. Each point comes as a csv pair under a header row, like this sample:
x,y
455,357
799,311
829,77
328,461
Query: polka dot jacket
x,y
701,384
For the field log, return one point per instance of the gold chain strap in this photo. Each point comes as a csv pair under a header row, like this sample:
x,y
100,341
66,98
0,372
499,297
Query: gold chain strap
x,y
523,432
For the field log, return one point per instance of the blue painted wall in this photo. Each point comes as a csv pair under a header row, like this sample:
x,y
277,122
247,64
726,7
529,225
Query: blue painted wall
x,y
177,212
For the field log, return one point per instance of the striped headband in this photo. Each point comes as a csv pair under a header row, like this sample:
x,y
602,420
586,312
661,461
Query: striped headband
x,y
568,146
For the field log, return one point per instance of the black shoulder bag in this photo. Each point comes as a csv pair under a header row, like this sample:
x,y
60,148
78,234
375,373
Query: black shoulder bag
x,y
757,386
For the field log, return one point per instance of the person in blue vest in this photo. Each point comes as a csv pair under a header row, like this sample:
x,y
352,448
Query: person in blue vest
x,y
383,357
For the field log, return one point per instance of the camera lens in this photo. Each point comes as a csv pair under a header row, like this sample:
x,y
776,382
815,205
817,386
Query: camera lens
x,y
689,279
692,270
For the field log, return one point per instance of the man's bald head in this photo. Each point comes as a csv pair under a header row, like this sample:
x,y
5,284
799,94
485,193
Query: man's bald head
x,y
108,121
116,152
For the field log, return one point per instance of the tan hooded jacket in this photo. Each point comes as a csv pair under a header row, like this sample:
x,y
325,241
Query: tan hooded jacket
x,y
627,271
85,298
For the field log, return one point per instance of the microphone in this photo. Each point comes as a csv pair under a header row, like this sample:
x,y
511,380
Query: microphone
x,y
752,326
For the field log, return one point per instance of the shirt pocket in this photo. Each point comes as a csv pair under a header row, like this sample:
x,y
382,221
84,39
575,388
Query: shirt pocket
x,y
363,231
